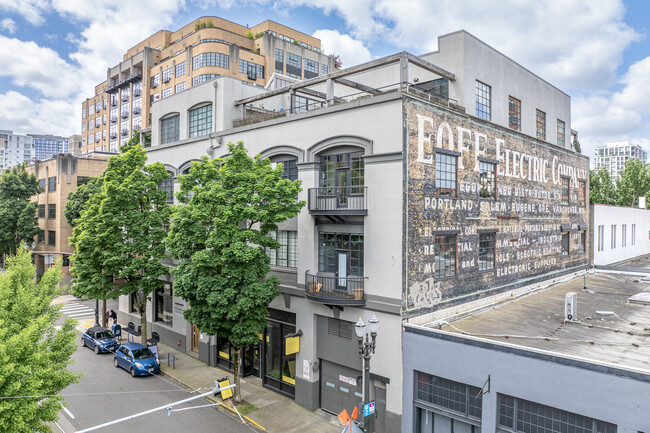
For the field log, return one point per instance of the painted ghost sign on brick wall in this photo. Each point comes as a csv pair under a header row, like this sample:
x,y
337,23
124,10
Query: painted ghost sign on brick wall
x,y
487,209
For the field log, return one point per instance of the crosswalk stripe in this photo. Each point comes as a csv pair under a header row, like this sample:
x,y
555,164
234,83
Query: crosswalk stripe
x,y
85,313
72,310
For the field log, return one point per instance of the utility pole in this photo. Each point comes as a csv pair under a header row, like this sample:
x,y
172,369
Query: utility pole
x,y
166,407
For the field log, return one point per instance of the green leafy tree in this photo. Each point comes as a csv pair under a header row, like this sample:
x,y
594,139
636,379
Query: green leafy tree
x,y
78,198
119,236
230,205
18,219
634,182
34,355
601,187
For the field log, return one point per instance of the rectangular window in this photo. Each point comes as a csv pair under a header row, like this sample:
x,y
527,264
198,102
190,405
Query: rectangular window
x,y
289,169
201,121
446,174
51,187
449,395
167,92
287,254
167,75
155,80
294,63
168,186
41,184
601,238
82,180
279,61
311,69
565,243
164,302
623,235
483,100
444,253
488,180
324,69
633,234
203,78
560,133
582,193
51,237
41,211
51,211
613,238
179,87
583,241
329,244
541,125
253,70
349,168
514,113
210,59
180,69
170,129
486,251
565,190
525,416
41,237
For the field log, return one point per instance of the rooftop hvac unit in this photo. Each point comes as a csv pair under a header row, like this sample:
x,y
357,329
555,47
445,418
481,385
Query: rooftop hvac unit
x,y
570,307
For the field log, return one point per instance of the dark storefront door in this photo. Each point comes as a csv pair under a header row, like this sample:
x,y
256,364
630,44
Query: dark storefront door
x,y
341,387
427,421
279,368
196,335
250,361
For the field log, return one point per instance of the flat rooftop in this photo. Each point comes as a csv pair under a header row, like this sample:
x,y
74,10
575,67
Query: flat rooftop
x,y
536,321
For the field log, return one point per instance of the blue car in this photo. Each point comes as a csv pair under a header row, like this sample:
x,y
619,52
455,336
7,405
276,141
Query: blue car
x,y
137,359
100,340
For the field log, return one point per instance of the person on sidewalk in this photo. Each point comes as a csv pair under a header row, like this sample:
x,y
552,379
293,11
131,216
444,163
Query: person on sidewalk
x,y
113,316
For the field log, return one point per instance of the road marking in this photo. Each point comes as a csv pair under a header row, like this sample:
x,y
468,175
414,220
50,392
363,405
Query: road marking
x,y
65,409
84,314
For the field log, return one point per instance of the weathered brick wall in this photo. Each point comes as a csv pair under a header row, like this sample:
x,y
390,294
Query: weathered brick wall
x,y
527,213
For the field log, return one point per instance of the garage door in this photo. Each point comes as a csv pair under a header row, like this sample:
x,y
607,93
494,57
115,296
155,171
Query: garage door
x,y
340,387
431,422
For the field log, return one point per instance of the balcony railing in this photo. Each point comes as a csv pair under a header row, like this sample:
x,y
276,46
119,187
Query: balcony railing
x,y
335,290
338,200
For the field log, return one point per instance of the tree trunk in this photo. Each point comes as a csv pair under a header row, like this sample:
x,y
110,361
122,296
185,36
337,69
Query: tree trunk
x,y
143,321
104,321
237,357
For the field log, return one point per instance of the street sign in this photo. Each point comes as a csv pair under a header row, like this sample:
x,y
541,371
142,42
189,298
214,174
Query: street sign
x,y
368,409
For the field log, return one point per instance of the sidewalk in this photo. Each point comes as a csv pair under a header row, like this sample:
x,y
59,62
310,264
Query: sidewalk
x,y
275,413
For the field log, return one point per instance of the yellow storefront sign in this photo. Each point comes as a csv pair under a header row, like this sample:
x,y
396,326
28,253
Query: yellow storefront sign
x,y
292,345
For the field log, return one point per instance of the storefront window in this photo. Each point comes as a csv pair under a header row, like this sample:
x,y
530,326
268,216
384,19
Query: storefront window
x,y
280,367
164,304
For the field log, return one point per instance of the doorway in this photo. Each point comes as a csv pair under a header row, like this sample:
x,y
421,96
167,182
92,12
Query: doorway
x,y
196,336
342,260
342,187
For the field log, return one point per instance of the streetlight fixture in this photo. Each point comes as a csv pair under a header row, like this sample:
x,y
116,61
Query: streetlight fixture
x,y
366,349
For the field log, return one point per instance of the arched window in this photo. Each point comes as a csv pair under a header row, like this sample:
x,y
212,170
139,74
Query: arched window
x,y
169,129
200,121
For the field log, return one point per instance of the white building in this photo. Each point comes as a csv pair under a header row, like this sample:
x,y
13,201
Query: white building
x,y
432,183
15,149
619,233
613,156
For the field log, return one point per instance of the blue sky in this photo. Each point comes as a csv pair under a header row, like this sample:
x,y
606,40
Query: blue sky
x,y
55,51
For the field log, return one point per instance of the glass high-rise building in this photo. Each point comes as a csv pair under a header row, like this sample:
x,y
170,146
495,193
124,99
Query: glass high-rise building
x,y
46,146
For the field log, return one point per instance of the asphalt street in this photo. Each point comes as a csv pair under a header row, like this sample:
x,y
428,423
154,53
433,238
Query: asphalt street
x,y
106,393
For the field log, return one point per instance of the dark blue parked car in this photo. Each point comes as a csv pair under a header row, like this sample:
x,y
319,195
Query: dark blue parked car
x,y
137,359
100,339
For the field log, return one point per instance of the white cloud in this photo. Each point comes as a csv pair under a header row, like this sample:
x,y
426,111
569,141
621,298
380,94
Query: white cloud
x,y
48,116
351,51
9,25
31,10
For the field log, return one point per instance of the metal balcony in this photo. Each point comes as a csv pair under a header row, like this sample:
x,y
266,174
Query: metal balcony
x,y
338,200
338,291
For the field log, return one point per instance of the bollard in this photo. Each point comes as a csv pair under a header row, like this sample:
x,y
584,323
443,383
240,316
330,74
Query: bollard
x,y
173,360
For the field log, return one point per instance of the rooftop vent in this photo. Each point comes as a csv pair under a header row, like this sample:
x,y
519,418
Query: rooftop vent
x,y
642,298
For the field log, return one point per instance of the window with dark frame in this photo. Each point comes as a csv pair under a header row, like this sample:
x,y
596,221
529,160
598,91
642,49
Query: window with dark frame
x,y
279,61
448,394
488,180
514,113
541,125
583,241
51,211
51,237
51,187
561,140
486,251
582,193
351,163
41,211
201,121
167,185
565,190
170,129
445,255
565,243
446,173
287,254
41,237
483,100
210,59
289,169
164,304
41,184
329,243
518,415
180,69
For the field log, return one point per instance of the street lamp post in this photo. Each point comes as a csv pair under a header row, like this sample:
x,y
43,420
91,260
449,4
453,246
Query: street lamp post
x,y
96,312
366,349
